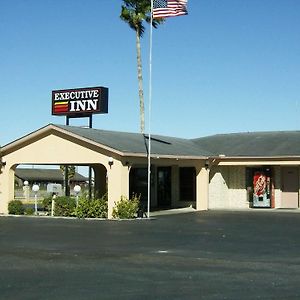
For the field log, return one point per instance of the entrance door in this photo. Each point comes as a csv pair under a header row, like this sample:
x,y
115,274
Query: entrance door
x,y
290,187
164,186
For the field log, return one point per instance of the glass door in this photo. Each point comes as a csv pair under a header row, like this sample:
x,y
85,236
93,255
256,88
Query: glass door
x,y
164,187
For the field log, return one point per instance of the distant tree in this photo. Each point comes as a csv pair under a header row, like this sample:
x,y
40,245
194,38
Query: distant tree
x,y
71,174
71,171
135,13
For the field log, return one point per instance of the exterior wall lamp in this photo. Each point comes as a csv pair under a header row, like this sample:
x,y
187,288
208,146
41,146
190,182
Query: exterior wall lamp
x,y
206,165
110,161
128,165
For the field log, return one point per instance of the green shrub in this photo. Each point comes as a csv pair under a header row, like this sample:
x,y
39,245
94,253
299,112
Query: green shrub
x,y
64,206
47,203
96,208
16,207
29,211
126,208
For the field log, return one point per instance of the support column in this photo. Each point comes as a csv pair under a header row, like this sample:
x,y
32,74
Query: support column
x,y
175,187
202,196
118,184
7,179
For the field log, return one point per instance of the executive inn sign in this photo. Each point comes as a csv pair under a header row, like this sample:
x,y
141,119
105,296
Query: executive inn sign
x,y
80,102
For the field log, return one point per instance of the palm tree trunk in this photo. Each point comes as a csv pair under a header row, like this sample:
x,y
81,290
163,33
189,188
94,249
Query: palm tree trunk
x,y
140,81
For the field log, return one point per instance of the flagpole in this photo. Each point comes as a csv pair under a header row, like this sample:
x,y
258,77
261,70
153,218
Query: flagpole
x,y
149,111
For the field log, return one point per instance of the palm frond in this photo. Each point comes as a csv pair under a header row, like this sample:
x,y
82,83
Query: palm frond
x,y
135,12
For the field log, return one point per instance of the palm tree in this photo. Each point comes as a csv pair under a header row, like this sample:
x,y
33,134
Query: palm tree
x,y
135,13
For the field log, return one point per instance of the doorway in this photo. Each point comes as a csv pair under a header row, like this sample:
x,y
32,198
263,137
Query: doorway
x,y
164,187
290,187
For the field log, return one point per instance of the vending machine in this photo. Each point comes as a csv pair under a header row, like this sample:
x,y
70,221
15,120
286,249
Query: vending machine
x,y
262,189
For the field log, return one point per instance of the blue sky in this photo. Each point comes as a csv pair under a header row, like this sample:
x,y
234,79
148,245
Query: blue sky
x,y
229,66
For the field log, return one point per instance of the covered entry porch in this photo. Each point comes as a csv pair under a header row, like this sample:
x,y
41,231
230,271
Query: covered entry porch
x,y
53,146
118,160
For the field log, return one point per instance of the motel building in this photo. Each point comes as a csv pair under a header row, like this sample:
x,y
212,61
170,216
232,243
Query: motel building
x,y
257,170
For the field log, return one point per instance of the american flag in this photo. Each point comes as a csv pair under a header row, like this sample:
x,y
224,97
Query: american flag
x,y
169,8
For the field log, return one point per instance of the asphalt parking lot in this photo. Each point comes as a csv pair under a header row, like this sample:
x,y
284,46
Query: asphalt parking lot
x,y
200,255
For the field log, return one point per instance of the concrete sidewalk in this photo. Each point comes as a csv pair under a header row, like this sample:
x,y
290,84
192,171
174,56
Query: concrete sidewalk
x,y
173,211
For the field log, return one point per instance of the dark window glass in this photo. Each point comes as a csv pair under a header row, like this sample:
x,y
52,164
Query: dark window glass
x,y
187,179
138,182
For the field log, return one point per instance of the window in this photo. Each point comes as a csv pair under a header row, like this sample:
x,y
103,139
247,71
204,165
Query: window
x,y
187,182
138,182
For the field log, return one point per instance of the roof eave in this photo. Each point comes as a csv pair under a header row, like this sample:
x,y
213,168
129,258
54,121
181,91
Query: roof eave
x,y
277,157
264,160
166,156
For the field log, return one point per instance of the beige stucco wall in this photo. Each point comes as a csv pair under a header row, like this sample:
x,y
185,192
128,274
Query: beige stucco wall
x,y
237,188
56,149
227,188
218,189
202,187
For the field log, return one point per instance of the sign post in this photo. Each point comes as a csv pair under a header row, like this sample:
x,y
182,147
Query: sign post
x,y
79,103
